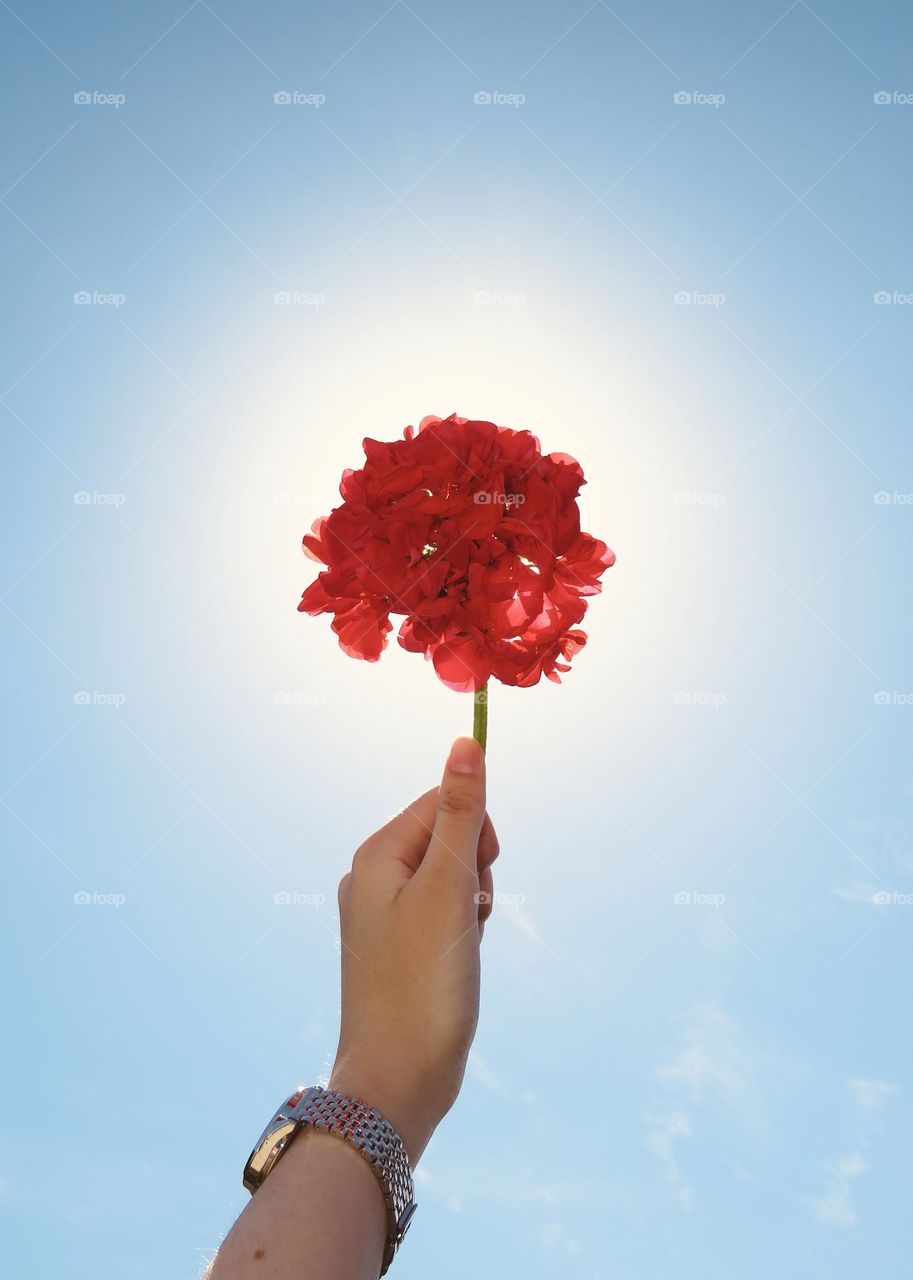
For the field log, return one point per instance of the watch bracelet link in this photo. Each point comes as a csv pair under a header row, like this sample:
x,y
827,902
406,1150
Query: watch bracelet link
x,y
364,1128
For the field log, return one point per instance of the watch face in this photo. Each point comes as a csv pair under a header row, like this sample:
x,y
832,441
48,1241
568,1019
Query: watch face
x,y
267,1151
275,1138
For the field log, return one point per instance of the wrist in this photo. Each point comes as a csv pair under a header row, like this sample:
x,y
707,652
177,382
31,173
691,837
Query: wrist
x,y
404,1105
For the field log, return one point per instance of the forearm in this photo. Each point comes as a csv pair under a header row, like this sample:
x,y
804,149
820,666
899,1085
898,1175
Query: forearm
x,y
319,1213
412,911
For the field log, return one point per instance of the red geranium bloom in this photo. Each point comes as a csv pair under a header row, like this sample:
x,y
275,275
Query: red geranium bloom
x,y
473,534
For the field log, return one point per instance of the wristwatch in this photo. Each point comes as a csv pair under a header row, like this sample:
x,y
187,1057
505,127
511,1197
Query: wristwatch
x,y
358,1124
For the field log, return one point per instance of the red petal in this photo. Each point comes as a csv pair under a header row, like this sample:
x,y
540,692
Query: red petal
x,y
316,600
362,631
462,664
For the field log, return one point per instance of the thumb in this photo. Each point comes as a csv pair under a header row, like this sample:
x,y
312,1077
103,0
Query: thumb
x,y
452,852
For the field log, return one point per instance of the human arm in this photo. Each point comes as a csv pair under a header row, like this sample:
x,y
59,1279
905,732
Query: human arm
x,y
412,913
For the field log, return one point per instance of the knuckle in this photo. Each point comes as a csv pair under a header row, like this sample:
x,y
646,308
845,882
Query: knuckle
x,y
459,802
362,858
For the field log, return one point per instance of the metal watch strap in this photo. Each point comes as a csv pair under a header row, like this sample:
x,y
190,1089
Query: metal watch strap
x,y
362,1127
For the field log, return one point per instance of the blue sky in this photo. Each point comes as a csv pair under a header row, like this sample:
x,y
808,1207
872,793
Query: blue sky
x,y
673,241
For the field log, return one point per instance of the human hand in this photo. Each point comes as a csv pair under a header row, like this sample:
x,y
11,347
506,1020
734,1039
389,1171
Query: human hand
x,y
412,912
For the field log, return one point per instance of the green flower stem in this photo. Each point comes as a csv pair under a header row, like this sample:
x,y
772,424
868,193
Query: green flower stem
x,y
480,715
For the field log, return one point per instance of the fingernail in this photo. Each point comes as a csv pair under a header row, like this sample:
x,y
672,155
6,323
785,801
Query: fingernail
x,y
466,756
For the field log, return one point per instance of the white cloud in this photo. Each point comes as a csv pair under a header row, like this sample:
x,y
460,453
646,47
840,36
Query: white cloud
x,y
884,842
519,1188
663,1132
871,1094
835,1207
858,891
711,1063
555,1235
483,1074
709,1056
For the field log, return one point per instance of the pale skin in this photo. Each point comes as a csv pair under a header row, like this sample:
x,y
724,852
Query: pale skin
x,y
412,914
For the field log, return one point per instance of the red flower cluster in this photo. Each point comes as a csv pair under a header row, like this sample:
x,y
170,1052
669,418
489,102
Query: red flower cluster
x,y
473,534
